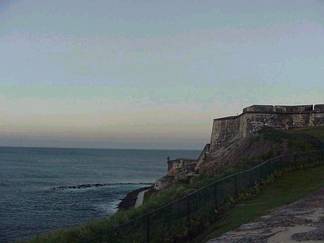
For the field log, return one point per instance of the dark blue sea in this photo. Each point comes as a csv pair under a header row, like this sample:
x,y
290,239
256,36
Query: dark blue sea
x,y
43,189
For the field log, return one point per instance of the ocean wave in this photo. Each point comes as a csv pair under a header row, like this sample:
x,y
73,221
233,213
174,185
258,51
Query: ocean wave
x,y
107,208
85,186
4,184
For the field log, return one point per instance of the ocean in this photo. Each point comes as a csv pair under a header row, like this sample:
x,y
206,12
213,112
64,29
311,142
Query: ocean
x,y
43,189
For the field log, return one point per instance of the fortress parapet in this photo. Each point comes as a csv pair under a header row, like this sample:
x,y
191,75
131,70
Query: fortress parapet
x,y
293,109
259,108
279,109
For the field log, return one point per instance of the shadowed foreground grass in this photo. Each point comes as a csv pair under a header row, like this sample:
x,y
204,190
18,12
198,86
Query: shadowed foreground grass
x,y
286,189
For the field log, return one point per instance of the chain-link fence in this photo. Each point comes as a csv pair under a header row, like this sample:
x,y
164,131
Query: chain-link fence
x,y
181,220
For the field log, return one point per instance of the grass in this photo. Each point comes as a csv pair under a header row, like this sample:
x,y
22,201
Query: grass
x,y
315,132
284,190
300,140
99,230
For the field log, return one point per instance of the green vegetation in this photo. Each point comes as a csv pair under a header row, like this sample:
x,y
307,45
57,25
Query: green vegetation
x,y
289,187
99,230
271,143
315,132
285,189
297,140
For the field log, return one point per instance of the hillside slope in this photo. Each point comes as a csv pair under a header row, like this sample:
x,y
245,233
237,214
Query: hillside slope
x,y
267,143
288,188
317,132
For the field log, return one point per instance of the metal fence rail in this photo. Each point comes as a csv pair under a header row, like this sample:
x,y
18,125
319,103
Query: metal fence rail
x,y
181,219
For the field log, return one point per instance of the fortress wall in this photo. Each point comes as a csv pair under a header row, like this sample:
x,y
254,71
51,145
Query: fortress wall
x,y
317,119
319,108
227,129
255,118
300,120
253,122
224,130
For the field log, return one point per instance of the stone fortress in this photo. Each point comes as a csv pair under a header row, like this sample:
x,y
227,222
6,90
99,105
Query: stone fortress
x,y
257,117
227,130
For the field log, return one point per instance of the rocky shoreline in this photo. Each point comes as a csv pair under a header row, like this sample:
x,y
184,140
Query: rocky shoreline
x,y
129,200
85,186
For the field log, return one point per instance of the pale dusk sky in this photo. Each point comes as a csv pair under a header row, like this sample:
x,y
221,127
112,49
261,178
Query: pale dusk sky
x,y
150,74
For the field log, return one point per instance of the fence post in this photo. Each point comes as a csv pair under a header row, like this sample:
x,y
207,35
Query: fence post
x,y
147,229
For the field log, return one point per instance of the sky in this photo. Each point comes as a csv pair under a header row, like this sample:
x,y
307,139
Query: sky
x,y
150,74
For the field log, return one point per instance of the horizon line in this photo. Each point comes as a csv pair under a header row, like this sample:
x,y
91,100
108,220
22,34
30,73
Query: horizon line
x,y
99,148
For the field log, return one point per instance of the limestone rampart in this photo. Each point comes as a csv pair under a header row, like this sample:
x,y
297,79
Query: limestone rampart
x,y
256,117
